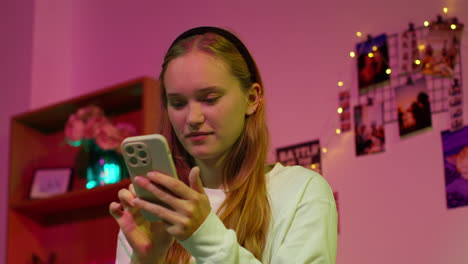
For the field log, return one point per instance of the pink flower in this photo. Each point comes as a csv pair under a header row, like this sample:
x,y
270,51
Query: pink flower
x,y
74,129
92,125
126,130
107,136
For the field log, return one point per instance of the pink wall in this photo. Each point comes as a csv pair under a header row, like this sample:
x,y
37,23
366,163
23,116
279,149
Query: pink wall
x,y
392,205
16,26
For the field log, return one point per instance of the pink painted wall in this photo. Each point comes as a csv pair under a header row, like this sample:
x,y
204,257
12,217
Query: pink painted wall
x,y
16,25
392,204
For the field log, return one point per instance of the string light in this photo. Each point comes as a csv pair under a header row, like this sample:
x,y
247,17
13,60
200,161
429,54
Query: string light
x,y
426,23
338,131
359,34
324,150
453,26
417,62
422,47
445,10
352,54
313,166
388,71
371,55
374,48
340,83
340,110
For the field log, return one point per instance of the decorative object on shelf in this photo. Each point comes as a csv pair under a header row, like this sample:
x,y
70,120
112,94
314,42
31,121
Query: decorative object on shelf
x,y
49,182
99,159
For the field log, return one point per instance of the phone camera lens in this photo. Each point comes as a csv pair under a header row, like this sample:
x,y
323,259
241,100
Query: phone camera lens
x,y
133,161
130,150
142,154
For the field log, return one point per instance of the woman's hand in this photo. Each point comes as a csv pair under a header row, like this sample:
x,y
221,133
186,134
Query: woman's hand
x,y
149,240
190,205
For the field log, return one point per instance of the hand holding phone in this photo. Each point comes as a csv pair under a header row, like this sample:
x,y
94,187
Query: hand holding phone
x,y
143,154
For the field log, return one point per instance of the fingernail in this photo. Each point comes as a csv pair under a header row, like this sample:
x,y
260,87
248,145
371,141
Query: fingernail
x,y
135,201
151,174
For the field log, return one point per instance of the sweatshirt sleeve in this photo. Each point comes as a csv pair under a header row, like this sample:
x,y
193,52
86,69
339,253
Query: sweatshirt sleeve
x,y
214,243
124,250
312,233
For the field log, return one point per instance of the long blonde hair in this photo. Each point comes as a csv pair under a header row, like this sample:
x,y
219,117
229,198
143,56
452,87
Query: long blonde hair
x,y
246,208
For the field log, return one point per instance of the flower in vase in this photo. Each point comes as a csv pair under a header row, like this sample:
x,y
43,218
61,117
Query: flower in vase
x,y
99,159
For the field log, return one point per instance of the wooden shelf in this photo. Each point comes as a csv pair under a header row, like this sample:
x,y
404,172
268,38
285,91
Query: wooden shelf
x,y
76,225
71,201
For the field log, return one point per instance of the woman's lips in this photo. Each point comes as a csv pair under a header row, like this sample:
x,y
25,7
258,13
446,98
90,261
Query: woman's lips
x,y
198,136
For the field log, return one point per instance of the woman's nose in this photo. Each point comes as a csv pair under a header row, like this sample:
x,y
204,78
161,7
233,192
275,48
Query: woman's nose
x,y
195,116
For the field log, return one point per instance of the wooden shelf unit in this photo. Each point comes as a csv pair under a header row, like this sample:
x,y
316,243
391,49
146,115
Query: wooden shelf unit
x,y
75,226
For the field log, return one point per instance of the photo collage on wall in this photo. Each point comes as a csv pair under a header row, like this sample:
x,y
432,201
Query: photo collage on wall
x,y
455,149
372,62
345,115
440,53
369,129
414,110
305,154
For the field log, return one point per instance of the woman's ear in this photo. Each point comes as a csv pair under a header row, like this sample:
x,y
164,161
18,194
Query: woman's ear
x,y
254,97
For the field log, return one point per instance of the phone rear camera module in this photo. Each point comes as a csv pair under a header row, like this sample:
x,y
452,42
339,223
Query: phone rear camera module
x,y
139,146
142,154
144,162
130,150
133,161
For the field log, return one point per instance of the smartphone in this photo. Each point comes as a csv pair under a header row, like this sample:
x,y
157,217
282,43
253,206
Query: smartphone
x,y
143,154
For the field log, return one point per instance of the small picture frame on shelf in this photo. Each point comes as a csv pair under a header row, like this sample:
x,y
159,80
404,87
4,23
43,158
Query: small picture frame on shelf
x,y
49,182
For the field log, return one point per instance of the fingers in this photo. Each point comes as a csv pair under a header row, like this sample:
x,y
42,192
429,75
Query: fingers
x,y
195,180
163,196
167,215
126,197
174,185
116,210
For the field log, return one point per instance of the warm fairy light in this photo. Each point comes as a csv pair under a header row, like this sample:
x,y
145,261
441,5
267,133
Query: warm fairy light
x,y
426,23
340,110
313,166
445,10
324,150
352,54
453,26
388,71
338,131
340,83
421,47
371,55
417,62
374,48
359,34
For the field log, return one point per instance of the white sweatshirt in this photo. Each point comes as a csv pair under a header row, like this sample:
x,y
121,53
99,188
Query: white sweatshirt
x,y
303,226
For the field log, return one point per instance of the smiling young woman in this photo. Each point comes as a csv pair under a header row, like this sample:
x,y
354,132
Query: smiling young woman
x,y
228,206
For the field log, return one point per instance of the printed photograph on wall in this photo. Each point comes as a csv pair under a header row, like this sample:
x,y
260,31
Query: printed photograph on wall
x,y
345,114
409,48
414,110
440,54
455,148
372,60
369,129
305,154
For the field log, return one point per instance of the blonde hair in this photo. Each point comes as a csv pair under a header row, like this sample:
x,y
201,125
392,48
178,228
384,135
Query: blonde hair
x,y
246,208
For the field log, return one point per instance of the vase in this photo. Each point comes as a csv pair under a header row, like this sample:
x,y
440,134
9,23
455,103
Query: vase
x,y
98,166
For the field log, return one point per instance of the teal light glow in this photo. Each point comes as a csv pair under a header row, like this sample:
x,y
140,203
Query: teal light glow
x,y
110,173
74,143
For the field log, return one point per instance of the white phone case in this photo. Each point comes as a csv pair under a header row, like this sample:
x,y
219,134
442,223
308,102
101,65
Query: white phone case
x,y
148,153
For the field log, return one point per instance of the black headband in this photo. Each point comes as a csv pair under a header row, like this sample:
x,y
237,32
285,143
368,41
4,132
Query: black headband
x,y
227,35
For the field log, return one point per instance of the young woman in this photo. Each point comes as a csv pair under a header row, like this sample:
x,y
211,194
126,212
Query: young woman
x,y
228,206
